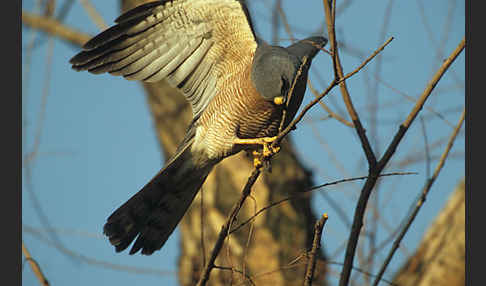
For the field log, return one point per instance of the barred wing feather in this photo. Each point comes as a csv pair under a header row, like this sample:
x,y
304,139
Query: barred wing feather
x,y
190,43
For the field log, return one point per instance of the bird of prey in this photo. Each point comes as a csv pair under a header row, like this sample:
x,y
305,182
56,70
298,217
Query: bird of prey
x,y
238,87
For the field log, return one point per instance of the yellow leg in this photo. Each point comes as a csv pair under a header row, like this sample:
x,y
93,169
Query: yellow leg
x,y
255,141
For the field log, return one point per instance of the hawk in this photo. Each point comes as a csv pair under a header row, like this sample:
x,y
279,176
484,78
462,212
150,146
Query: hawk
x,y
238,87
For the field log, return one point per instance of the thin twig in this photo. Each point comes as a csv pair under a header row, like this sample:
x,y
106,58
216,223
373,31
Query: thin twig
x,y
232,269
35,266
422,199
225,228
360,271
43,107
411,99
55,28
203,246
275,22
375,53
288,30
383,243
295,262
327,109
426,148
26,68
95,262
316,244
30,156
431,32
62,12
279,269
420,103
332,156
374,88
305,193
250,234
93,14
374,109
418,156
63,231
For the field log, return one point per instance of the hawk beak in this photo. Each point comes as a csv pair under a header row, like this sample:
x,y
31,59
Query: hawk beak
x,y
279,100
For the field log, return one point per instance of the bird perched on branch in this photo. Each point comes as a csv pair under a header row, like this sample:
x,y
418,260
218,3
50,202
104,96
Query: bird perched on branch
x,y
238,86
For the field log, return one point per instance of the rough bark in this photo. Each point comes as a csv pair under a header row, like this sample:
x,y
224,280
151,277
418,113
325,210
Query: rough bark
x,y
278,236
441,256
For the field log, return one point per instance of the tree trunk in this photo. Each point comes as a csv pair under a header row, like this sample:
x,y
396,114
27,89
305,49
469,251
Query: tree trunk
x,y
441,256
275,239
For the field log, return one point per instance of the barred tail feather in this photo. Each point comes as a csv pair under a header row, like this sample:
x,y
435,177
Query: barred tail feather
x,y
153,213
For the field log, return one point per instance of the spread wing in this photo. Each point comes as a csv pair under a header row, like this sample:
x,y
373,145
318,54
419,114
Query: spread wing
x,y
190,43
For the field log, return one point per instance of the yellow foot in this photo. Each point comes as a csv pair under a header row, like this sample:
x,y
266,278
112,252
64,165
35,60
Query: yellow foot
x,y
257,162
267,151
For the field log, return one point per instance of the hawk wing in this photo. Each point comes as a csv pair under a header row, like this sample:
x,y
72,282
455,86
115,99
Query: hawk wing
x,y
192,44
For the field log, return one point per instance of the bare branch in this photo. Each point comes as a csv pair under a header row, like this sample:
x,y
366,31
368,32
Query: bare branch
x,y
232,269
420,103
93,261
305,193
35,266
93,14
203,245
374,172
327,109
225,228
410,98
285,22
426,148
55,28
30,156
275,22
422,199
375,53
316,244
360,271
339,74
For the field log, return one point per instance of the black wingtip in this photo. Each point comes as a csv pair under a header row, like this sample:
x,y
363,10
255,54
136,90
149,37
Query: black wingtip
x,y
139,11
108,35
76,59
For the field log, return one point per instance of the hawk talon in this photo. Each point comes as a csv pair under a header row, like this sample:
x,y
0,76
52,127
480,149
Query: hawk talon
x,y
261,158
269,151
257,162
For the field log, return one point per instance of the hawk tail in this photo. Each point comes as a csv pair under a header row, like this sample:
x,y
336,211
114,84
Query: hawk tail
x,y
153,213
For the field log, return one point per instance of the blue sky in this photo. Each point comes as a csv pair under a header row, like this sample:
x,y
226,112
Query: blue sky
x,y
98,146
